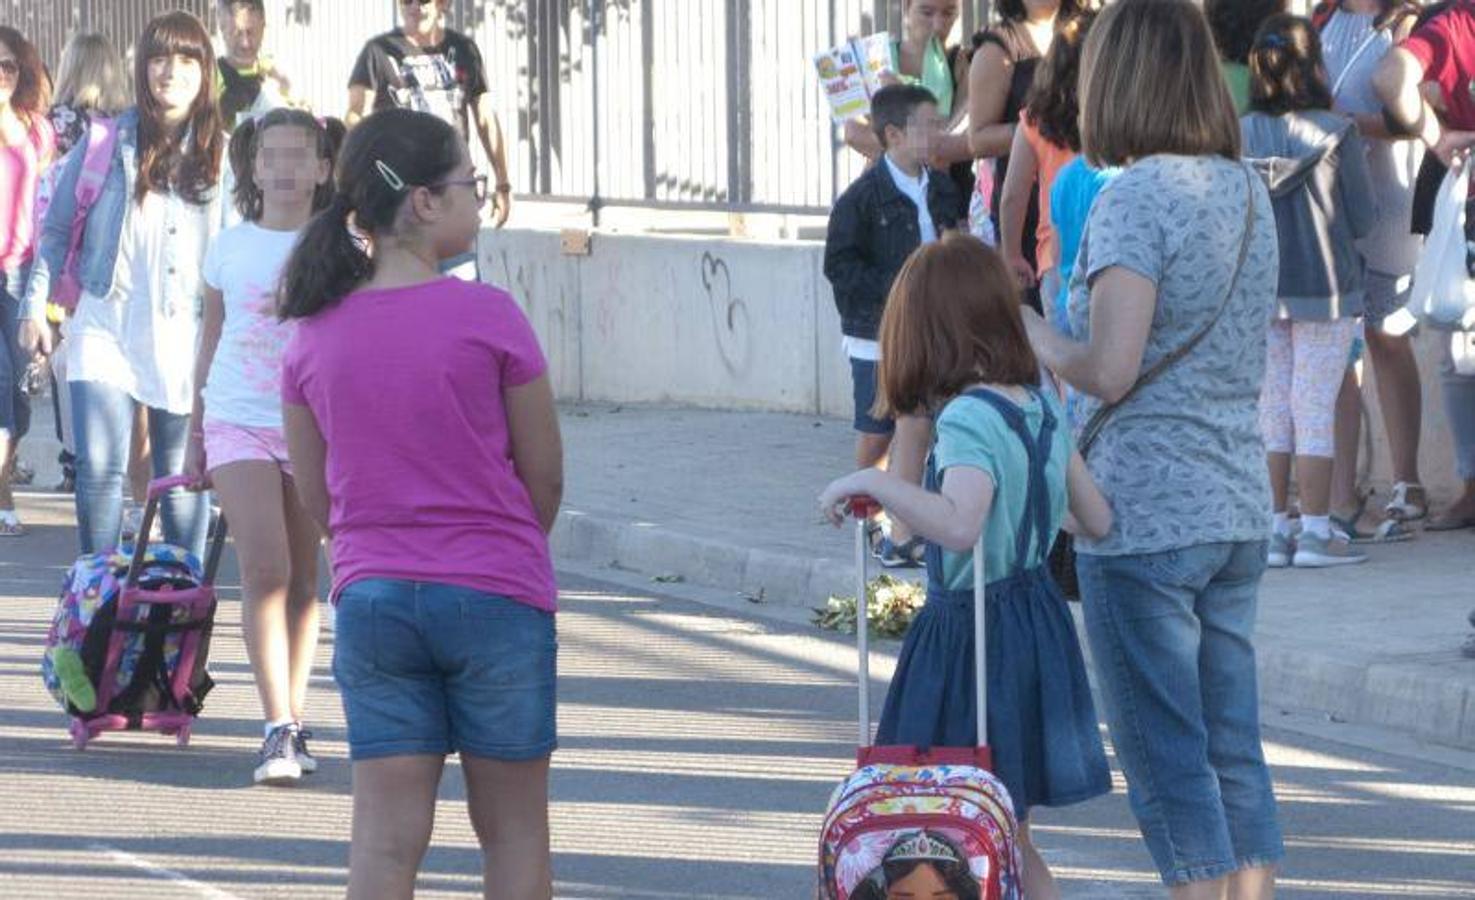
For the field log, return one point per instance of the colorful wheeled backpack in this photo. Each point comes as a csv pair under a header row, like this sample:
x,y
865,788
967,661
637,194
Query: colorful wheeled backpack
x,y
130,637
907,806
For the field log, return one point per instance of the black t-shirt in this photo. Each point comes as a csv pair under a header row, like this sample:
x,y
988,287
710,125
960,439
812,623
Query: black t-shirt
x,y
443,80
239,91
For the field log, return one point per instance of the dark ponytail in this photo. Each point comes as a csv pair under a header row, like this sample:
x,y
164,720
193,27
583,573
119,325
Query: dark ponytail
x,y
388,156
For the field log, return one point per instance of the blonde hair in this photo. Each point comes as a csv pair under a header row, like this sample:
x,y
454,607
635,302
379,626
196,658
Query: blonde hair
x,y
92,76
1150,84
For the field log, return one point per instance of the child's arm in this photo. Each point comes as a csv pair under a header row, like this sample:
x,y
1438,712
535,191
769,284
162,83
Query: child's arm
x,y
211,324
309,454
952,518
1023,168
1090,513
537,447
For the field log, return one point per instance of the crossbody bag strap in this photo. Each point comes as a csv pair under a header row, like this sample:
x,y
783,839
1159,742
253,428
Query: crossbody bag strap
x,y
1097,421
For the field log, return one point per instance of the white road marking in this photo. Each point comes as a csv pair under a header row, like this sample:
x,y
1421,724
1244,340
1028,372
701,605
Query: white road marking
x,y
179,878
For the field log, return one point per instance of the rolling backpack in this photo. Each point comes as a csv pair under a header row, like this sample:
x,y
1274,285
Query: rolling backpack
x,y
130,637
908,804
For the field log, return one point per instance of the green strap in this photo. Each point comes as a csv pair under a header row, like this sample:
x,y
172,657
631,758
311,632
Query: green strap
x,y
937,75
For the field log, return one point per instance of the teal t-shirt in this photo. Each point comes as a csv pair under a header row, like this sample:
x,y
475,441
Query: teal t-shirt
x,y
970,432
1237,76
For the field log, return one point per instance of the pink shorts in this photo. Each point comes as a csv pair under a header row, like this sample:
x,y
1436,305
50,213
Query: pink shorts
x,y
226,443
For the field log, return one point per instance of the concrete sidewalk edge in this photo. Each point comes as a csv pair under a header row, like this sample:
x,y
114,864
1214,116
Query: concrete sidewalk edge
x,y
1382,694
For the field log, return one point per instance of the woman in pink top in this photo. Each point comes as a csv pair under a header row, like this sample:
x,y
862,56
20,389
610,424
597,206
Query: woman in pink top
x,y
1047,139
26,146
421,428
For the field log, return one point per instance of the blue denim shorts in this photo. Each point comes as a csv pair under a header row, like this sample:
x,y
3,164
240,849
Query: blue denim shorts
x,y
438,669
1171,635
863,383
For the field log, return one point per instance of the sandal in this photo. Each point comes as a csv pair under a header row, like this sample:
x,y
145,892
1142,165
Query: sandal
x,y
10,525
1389,531
1409,502
901,556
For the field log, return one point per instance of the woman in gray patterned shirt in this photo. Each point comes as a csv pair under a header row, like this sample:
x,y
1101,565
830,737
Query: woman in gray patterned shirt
x,y
1180,252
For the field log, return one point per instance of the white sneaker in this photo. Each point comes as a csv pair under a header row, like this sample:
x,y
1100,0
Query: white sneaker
x,y
278,764
1282,548
1316,552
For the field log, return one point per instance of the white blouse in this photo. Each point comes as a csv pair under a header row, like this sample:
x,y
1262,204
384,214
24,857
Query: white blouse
x,y
142,337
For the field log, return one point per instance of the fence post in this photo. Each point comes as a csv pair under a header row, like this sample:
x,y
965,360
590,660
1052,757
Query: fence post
x,y
739,101
596,25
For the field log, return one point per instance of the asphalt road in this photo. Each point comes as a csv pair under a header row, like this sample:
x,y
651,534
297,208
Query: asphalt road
x,y
698,748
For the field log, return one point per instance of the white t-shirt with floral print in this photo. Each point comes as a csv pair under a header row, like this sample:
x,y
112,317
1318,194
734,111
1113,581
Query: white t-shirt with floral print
x,y
244,386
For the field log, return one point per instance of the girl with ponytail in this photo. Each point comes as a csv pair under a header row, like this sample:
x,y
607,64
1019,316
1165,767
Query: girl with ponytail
x,y
423,437
283,165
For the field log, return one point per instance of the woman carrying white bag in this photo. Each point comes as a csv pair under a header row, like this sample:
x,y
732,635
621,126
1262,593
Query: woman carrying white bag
x,y
1440,52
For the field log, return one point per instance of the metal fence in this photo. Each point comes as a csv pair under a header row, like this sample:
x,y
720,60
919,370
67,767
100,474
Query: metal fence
x,y
706,104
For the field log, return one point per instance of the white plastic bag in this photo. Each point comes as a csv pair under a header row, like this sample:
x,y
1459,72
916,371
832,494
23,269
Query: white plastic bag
x,y
1443,294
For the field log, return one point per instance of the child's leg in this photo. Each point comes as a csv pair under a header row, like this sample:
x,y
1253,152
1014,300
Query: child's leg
x,y
303,539
251,495
1348,437
1039,884
508,803
393,814
140,460
872,435
1320,351
1275,412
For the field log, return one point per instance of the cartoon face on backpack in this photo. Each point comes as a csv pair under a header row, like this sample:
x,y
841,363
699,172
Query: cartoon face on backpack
x,y
920,864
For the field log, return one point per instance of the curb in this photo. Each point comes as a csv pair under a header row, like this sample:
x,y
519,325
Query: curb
x,y
780,579
1404,697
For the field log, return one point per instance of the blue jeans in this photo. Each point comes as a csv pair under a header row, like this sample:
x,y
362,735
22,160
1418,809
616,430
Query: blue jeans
x,y
1459,407
436,668
102,420
15,406
1171,636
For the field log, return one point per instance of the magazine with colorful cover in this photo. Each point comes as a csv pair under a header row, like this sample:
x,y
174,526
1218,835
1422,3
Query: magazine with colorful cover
x,y
851,73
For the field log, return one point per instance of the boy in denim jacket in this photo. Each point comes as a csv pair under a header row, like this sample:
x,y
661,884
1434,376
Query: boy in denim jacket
x,y
891,210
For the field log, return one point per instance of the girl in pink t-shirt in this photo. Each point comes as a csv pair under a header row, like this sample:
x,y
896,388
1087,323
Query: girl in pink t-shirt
x,y
422,431
235,432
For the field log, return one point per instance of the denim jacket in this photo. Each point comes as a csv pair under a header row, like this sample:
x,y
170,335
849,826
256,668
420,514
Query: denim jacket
x,y
97,260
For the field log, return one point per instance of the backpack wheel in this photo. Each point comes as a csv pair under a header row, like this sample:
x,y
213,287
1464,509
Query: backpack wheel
x,y
181,737
79,735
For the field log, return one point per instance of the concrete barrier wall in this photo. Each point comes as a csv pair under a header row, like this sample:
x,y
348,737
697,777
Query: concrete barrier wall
x,y
743,324
702,322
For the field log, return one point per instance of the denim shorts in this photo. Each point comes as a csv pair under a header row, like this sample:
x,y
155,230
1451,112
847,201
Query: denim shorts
x,y
1171,636
438,669
863,380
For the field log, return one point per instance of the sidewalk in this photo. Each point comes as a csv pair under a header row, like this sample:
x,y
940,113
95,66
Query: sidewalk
x,y
728,499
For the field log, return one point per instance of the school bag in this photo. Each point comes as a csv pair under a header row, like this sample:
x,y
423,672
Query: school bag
x,y
129,640
102,137
933,804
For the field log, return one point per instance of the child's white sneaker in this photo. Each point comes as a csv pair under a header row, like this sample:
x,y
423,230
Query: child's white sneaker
x,y
1282,548
1314,551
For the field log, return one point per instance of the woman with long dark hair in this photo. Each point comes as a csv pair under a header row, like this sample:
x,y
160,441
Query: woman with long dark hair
x,y
133,336
999,80
27,143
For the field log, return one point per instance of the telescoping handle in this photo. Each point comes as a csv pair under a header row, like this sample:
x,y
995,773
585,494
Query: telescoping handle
x,y
158,489
863,508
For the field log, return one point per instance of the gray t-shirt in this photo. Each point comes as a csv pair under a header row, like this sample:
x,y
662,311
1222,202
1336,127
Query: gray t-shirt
x,y
1182,462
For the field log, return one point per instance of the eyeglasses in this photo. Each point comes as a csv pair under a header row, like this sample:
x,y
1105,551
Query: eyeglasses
x,y
417,2
477,183
9,67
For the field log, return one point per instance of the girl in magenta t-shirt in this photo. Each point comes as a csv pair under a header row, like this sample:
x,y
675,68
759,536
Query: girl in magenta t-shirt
x,y
26,146
421,428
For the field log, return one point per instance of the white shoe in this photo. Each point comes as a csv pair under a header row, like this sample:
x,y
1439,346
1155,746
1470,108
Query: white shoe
x,y
278,764
1282,548
1316,552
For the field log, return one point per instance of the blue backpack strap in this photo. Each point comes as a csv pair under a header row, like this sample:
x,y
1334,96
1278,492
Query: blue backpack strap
x,y
1013,416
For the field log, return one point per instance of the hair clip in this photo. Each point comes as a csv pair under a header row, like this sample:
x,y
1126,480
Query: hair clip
x,y
1274,41
390,177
